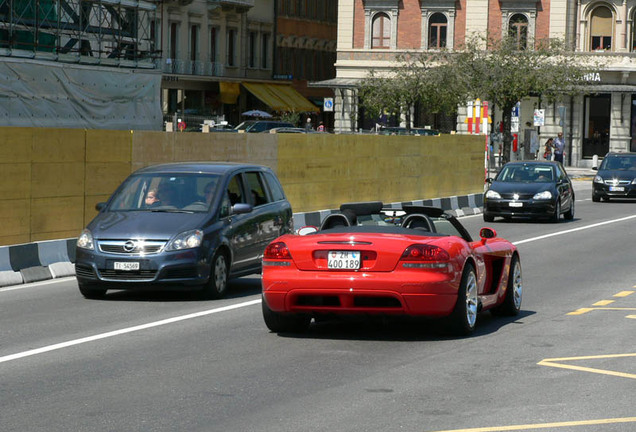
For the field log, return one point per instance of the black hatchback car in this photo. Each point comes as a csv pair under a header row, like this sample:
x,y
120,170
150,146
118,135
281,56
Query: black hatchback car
x,y
182,226
616,177
530,189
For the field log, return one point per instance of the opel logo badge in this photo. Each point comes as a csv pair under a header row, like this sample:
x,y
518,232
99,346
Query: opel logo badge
x,y
130,246
515,197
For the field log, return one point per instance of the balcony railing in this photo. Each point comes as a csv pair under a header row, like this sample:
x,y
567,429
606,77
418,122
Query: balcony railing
x,y
188,67
240,3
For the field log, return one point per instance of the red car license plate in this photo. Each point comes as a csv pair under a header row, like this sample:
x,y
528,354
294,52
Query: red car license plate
x,y
343,260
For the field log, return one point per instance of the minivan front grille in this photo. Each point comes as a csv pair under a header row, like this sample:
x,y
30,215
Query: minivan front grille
x,y
131,247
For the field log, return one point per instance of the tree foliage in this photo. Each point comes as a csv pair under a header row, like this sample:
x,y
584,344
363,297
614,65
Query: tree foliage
x,y
495,70
396,91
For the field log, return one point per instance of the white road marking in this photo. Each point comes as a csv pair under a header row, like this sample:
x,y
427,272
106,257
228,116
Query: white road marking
x,y
84,340
573,230
37,284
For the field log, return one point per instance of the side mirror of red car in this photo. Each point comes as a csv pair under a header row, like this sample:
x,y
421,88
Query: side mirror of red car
x,y
487,233
307,230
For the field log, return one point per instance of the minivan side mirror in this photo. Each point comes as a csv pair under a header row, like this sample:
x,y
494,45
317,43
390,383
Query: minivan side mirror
x,y
242,208
100,206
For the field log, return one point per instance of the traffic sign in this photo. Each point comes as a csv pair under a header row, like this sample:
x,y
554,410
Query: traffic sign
x,y
327,104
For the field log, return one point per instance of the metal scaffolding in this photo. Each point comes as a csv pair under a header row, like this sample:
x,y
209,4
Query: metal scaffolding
x,y
103,32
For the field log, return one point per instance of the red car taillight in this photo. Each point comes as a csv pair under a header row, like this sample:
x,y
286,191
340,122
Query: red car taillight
x,y
278,251
425,253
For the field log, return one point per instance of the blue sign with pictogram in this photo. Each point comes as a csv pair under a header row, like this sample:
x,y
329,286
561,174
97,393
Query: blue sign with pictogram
x,y
327,105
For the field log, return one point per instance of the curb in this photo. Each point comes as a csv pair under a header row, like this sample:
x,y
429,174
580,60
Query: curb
x,y
33,262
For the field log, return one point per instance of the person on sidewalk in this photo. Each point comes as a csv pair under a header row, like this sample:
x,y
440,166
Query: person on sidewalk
x,y
559,147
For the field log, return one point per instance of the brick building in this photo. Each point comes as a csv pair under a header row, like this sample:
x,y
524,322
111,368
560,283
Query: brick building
x,y
371,33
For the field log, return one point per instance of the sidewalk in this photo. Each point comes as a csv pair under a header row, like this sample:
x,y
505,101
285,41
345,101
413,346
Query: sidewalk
x,y
575,173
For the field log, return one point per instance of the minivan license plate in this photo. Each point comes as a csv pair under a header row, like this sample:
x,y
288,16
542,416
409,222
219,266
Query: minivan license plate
x,y
127,266
343,260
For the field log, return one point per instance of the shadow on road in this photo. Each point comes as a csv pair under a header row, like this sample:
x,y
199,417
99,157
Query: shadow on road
x,y
401,328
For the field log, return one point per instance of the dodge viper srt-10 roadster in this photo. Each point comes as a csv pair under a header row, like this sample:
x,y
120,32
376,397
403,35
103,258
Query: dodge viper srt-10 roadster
x,y
367,260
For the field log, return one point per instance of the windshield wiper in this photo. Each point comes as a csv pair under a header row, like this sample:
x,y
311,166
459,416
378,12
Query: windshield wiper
x,y
170,211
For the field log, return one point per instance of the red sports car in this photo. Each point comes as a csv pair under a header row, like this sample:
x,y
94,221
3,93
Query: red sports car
x,y
370,260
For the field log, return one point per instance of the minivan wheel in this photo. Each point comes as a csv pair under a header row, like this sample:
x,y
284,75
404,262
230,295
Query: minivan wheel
x,y
217,286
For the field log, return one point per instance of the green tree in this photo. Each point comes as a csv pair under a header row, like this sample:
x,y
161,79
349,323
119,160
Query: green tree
x,y
398,89
502,74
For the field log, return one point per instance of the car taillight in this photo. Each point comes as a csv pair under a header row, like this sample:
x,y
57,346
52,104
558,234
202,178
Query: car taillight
x,y
277,250
425,253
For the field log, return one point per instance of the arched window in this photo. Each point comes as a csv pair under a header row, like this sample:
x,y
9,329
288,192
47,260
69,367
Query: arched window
x,y
437,25
601,29
518,30
381,33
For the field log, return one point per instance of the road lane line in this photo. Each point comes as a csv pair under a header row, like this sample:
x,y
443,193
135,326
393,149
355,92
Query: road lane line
x,y
573,230
120,332
623,293
545,425
603,303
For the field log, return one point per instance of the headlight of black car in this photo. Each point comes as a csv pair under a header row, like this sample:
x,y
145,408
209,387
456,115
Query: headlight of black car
x,y
491,194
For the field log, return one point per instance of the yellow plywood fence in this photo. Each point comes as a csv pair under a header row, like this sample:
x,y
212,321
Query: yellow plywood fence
x,y
51,179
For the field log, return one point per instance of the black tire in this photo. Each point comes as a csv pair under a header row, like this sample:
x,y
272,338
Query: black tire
x,y
557,212
605,198
596,198
488,218
216,288
514,291
284,323
464,317
90,292
569,215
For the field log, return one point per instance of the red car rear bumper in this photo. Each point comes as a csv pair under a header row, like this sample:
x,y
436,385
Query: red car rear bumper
x,y
431,294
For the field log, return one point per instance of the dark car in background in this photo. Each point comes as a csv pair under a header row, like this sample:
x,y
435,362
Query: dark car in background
x,y
182,226
530,189
252,126
616,177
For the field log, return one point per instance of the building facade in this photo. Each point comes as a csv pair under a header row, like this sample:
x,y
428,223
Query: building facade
x,y
220,58
371,33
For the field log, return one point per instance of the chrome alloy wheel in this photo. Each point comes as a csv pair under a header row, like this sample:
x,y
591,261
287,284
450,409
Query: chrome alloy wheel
x,y
220,273
471,299
517,286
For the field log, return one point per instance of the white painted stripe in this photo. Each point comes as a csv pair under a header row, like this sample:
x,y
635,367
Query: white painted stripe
x,y
574,230
37,284
84,340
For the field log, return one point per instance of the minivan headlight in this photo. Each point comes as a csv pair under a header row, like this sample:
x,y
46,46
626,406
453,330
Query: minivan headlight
x,y
543,195
598,179
491,194
186,240
85,240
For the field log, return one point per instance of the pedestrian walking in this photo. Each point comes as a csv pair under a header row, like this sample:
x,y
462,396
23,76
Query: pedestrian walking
x,y
559,147
549,145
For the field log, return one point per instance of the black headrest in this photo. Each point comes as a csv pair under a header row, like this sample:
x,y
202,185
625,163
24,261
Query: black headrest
x,y
335,220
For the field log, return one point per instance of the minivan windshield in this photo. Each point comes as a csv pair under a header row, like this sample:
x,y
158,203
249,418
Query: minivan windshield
x,y
167,192
619,163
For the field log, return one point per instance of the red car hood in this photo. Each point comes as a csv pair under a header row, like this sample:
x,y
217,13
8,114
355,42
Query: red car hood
x,y
379,252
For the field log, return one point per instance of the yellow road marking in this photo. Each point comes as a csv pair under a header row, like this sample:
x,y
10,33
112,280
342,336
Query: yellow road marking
x,y
553,363
631,316
581,311
603,302
545,425
623,293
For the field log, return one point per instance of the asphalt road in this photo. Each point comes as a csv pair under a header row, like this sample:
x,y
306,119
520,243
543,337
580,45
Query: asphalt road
x,y
166,362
